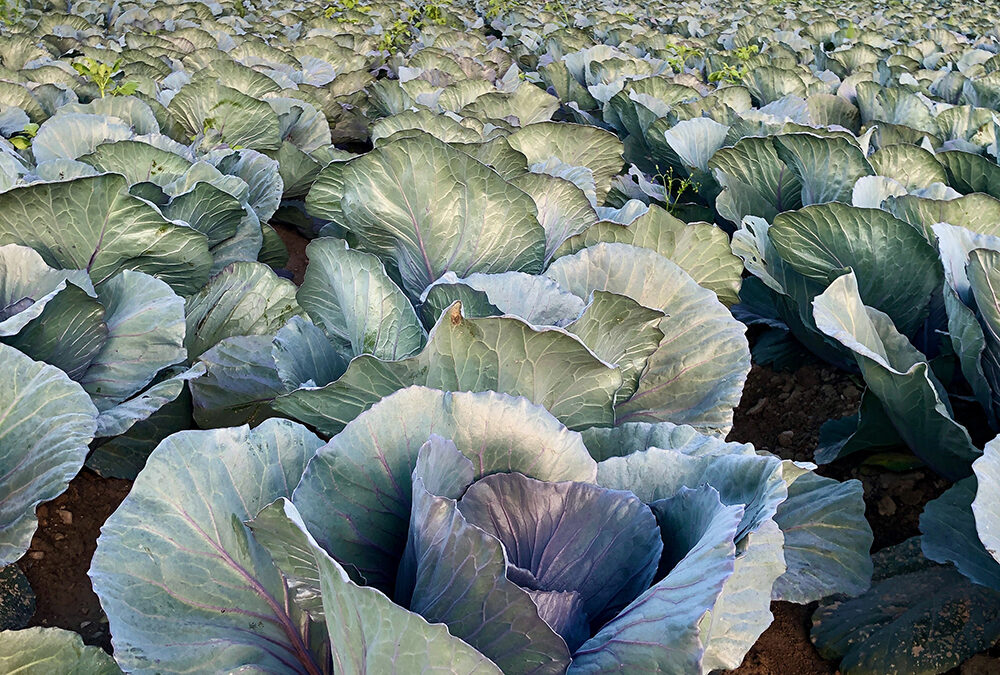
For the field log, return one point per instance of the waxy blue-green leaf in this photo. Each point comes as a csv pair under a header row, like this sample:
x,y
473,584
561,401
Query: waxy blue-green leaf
x,y
93,224
70,135
968,172
359,509
700,249
143,421
456,573
563,208
899,376
138,162
69,334
631,437
917,618
827,538
912,166
145,322
977,212
820,241
259,172
601,544
752,481
536,299
549,366
753,163
350,296
950,534
696,140
742,611
986,505
575,144
528,103
240,383
621,332
696,374
119,418
48,422
370,633
52,650
130,110
237,118
244,299
968,338
893,105
983,270
429,209
27,284
660,631
206,209
304,356
827,167
183,582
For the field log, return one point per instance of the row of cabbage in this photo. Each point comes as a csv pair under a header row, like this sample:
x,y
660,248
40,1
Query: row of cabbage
x,y
486,432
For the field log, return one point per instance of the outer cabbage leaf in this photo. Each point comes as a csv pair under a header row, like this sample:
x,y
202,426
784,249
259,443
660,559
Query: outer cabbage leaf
x,y
986,505
179,575
240,382
820,241
370,632
575,144
431,209
351,297
917,618
700,249
95,225
52,650
48,422
827,167
827,538
899,376
550,366
696,375
239,119
244,299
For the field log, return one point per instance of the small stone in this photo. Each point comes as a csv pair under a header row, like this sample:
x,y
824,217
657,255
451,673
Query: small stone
x,y
36,555
758,406
84,624
785,438
42,511
65,516
886,507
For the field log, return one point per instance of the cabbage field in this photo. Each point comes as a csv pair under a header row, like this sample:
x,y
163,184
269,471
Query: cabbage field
x,y
483,336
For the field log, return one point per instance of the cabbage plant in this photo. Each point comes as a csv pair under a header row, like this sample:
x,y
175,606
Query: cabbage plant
x,y
467,532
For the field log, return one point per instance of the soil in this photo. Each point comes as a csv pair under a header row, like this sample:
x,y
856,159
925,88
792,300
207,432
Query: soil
x,y
780,411
296,245
56,564
784,648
